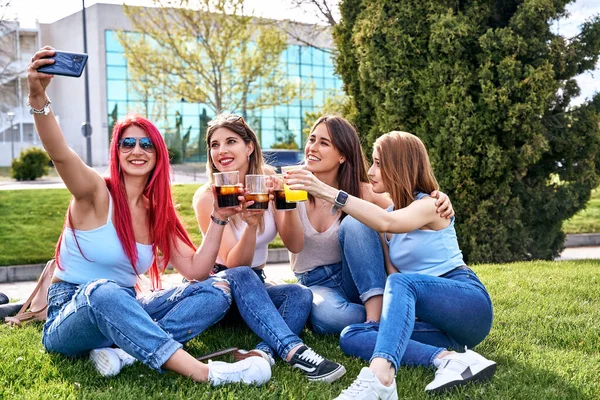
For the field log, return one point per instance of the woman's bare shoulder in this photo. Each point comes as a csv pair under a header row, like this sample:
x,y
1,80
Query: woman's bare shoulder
x,y
202,193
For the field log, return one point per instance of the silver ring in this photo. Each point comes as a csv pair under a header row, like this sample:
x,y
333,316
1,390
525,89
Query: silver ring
x,y
32,59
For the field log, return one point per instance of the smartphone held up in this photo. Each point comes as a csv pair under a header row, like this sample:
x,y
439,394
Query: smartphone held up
x,y
65,64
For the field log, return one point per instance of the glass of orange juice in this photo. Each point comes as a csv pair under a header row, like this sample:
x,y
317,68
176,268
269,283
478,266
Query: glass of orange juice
x,y
293,196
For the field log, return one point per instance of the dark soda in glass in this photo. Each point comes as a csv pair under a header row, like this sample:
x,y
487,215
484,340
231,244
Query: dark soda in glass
x,y
227,196
280,203
261,201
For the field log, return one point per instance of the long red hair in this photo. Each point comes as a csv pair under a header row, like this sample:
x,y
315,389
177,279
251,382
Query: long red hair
x,y
165,225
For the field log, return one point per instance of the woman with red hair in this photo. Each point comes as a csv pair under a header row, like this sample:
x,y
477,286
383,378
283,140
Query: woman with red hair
x,y
115,230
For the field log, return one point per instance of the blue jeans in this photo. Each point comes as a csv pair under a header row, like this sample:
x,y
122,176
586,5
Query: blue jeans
x,y
451,311
276,313
101,314
340,290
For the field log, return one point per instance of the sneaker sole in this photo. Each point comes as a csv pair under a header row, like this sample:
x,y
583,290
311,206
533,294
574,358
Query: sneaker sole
x,y
102,362
331,377
482,376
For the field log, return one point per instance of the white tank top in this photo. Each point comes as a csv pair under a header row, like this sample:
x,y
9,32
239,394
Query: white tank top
x,y
262,239
319,248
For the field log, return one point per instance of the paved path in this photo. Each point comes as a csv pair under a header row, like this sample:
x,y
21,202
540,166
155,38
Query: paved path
x,y
181,175
280,273
577,253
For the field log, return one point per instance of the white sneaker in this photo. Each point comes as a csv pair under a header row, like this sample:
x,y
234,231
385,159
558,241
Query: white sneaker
x,y
243,354
460,368
367,387
109,361
252,370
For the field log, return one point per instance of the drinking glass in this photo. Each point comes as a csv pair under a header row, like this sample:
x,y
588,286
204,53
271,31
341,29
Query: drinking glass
x,y
293,196
227,191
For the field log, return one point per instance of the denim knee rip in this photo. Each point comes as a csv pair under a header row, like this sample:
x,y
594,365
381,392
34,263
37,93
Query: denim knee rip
x,y
218,283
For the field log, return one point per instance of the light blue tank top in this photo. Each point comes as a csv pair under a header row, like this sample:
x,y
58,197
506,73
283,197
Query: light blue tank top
x,y
425,251
103,249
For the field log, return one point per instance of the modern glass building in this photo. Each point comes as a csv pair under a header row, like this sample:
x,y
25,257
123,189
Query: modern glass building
x,y
310,66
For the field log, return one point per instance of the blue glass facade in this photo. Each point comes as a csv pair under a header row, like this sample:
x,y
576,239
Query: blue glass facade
x,y
301,63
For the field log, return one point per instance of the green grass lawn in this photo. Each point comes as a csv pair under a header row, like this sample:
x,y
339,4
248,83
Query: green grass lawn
x,y
32,220
586,220
544,339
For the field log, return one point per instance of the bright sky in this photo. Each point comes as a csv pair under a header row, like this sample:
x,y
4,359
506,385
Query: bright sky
x,y
28,11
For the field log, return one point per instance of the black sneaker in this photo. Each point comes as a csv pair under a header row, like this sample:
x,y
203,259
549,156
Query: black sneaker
x,y
316,367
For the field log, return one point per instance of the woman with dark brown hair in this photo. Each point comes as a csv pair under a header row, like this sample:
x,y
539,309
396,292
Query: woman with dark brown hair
x,y
347,288
432,301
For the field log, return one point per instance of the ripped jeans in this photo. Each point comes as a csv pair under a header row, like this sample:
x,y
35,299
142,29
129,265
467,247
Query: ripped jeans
x,y
151,329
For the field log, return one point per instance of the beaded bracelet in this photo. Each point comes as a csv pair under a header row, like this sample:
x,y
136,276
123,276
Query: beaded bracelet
x,y
219,221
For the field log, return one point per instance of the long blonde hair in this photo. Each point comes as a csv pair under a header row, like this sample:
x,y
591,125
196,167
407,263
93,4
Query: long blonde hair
x,y
405,167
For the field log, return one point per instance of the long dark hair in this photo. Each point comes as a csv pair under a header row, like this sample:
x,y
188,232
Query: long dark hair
x,y
353,171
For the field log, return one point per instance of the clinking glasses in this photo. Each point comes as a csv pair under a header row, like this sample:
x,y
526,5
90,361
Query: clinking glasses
x,y
126,145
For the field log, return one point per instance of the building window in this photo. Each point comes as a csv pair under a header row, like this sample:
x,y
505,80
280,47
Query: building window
x,y
312,67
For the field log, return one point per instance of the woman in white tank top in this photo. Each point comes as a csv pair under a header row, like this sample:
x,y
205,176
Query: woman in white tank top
x,y
233,146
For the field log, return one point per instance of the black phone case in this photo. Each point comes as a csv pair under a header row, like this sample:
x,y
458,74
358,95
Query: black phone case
x,y
66,64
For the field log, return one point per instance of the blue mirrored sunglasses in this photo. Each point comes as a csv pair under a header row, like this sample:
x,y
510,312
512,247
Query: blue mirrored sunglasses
x,y
128,144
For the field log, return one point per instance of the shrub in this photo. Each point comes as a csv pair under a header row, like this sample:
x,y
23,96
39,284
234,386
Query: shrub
x,y
487,85
31,164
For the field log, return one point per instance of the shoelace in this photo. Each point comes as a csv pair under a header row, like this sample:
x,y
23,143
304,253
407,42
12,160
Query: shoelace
x,y
310,356
357,386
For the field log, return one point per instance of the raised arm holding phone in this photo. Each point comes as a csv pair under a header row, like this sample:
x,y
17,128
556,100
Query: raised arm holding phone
x,y
115,228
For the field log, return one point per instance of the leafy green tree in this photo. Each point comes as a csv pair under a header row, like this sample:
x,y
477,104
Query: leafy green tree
x,y
206,51
113,117
284,136
487,86
335,104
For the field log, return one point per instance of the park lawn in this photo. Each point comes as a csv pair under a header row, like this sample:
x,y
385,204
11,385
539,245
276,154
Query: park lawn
x,y
588,219
544,339
32,221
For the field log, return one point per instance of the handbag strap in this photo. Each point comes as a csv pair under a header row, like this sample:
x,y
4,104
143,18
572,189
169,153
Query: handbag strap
x,y
46,274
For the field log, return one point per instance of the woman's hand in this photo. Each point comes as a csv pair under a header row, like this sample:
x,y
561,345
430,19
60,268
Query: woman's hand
x,y
225,213
251,216
302,179
38,81
443,204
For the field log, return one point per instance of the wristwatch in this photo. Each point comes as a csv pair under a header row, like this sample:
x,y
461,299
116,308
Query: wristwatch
x,y
40,111
340,201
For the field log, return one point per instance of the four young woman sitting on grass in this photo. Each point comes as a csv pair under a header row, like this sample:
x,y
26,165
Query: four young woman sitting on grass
x,y
343,245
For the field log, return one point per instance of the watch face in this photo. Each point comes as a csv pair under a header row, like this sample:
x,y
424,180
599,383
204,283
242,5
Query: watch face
x,y
341,198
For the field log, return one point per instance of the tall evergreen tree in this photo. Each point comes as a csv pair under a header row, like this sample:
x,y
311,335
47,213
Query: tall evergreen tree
x,y
487,86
